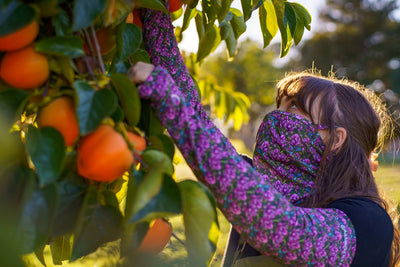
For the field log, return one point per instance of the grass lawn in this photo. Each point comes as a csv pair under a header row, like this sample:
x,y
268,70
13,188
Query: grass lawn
x,y
387,178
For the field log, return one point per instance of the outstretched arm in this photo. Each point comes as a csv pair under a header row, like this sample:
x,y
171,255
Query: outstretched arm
x,y
268,221
160,42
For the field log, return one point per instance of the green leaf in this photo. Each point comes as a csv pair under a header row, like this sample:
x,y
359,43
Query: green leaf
x,y
163,143
290,19
190,3
72,191
62,24
15,16
268,22
237,22
93,106
187,17
303,21
166,202
140,55
151,4
149,122
129,38
96,225
71,47
208,42
37,219
247,9
61,249
223,11
40,256
199,25
143,192
11,105
209,13
85,12
157,159
286,38
198,216
231,42
46,149
128,97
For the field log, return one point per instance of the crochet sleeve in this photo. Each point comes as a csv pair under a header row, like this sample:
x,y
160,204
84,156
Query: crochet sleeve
x,y
267,220
162,47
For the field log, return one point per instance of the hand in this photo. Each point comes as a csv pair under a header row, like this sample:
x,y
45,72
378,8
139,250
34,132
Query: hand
x,y
140,72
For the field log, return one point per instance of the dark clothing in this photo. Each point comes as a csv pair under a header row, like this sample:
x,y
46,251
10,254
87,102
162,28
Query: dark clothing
x,y
374,234
374,230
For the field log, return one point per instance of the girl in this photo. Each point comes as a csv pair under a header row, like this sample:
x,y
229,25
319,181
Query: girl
x,y
310,199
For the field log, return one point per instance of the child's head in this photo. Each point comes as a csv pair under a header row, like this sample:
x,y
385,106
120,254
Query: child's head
x,y
346,106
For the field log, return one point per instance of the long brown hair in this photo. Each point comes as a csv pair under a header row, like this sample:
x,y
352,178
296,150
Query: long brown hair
x,y
345,172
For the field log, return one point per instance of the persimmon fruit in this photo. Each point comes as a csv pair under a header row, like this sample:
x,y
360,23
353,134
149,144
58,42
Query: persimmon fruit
x,y
135,19
156,238
20,38
174,5
60,114
24,68
103,155
105,37
138,141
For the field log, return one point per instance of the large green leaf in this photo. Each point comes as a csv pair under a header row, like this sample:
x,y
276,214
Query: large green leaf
x,y
72,191
166,202
128,96
129,38
93,106
14,16
151,4
11,105
285,20
162,143
237,22
198,217
209,13
46,149
140,194
157,159
96,225
140,55
268,22
224,9
149,122
71,47
61,249
85,12
247,9
208,42
187,17
37,218
303,21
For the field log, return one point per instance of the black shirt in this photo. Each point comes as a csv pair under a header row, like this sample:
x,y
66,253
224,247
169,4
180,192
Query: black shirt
x,y
374,230
372,224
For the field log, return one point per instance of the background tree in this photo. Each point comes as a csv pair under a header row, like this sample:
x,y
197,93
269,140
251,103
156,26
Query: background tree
x,y
357,39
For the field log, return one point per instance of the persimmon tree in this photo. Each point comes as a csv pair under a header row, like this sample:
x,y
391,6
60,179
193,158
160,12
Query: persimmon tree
x,y
84,161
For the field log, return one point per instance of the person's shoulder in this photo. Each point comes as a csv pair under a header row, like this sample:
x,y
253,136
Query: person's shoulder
x,y
373,227
361,208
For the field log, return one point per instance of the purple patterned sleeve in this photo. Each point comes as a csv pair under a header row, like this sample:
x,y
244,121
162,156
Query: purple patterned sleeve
x,y
160,42
267,220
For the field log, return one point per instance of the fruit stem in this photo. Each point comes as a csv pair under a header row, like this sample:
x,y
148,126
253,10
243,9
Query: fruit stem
x,y
140,160
89,67
97,47
46,89
177,238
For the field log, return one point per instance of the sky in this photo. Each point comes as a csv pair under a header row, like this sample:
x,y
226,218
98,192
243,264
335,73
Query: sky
x,y
190,39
